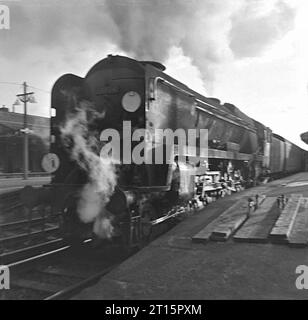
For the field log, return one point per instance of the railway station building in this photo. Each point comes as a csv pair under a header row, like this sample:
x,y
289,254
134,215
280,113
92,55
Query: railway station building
x,y
12,141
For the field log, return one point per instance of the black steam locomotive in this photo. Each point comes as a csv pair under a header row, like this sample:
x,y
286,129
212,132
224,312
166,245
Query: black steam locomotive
x,y
240,150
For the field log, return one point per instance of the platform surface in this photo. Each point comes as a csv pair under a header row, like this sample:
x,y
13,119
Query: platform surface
x,y
175,267
260,223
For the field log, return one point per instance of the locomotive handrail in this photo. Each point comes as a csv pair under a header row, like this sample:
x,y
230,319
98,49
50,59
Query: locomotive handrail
x,y
172,85
193,96
222,111
202,102
226,119
145,188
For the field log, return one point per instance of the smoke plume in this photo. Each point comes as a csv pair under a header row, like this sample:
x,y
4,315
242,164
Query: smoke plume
x,y
101,171
149,29
209,32
254,29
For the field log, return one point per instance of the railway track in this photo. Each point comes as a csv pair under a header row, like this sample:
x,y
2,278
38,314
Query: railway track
x,y
54,270
49,269
29,251
61,271
10,201
20,228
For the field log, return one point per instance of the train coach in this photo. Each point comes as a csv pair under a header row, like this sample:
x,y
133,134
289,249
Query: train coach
x,y
285,157
118,89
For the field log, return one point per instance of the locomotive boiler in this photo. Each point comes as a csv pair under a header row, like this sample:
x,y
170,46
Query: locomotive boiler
x,y
118,90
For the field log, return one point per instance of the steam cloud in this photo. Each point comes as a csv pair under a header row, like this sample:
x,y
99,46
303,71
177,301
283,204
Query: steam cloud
x,y
252,33
209,32
101,171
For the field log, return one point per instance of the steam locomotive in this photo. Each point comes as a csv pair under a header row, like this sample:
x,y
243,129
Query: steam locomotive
x,y
118,89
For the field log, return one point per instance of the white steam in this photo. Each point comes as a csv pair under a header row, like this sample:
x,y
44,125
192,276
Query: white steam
x,y
101,171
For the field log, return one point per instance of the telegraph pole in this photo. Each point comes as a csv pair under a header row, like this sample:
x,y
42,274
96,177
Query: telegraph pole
x,y
24,97
26,138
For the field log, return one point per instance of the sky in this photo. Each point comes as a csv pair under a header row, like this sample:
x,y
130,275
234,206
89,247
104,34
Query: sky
x,y
252,53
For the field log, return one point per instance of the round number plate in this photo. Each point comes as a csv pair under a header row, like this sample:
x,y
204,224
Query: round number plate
x,y
131,101
50,162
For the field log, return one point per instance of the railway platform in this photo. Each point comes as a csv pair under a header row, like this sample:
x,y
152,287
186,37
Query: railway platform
x,y
215,253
